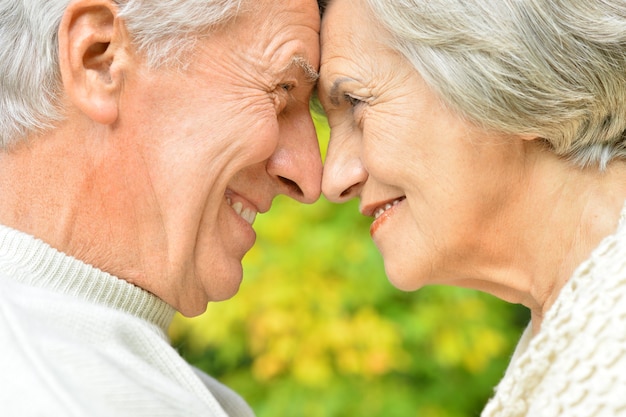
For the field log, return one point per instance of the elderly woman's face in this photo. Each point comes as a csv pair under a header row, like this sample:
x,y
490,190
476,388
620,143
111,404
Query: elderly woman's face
x,y
212,146
432,183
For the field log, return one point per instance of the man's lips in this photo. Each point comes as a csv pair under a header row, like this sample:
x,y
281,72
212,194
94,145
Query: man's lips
x,y
247,213
242,206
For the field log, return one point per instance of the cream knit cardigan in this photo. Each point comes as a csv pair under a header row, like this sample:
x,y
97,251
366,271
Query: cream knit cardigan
x,y
576,365
75,341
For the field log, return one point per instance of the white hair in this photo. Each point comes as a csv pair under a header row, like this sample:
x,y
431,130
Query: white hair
x,y
30,84
551,68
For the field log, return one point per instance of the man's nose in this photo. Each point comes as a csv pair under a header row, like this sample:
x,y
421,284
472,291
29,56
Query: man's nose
x,y
344,173
297,164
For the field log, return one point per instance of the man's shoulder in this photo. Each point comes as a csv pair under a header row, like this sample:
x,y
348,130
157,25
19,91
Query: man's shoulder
x,y
231,402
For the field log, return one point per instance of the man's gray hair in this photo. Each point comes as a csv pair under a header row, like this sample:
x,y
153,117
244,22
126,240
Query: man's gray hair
x,y
551,68
30,84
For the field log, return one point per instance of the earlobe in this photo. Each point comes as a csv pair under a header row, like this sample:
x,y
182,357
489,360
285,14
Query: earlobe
x,y
90,47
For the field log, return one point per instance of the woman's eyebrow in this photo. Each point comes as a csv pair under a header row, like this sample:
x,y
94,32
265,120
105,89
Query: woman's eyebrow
x,y
333,94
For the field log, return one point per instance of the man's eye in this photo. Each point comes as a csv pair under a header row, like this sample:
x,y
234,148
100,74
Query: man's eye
x,y
286,86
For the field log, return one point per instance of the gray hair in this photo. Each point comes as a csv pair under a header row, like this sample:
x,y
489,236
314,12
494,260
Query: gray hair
x,y
30,84
551,68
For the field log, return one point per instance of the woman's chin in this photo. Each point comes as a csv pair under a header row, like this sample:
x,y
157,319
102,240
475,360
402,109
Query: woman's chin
x,y
401,279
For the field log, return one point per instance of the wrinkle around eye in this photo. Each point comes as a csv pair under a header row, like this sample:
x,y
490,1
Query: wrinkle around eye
x,y
280,96
353,101
293,96
358,108
279,104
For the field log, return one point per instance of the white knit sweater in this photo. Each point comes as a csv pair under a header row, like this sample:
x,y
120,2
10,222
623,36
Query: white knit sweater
x,y
75,341
576,364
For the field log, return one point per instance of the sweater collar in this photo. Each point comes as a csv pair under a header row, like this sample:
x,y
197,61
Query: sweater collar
x,y
31,261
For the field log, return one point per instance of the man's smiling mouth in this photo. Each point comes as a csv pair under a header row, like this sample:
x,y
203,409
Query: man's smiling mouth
x,y
246,213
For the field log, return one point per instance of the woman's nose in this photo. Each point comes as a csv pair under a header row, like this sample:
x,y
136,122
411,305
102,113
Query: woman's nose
x,y
344,173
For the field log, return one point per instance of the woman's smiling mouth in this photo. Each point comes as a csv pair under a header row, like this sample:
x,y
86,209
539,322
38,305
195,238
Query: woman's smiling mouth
x,y
381,210
381,213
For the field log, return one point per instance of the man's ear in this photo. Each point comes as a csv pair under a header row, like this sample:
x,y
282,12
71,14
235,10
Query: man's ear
x,y
91,47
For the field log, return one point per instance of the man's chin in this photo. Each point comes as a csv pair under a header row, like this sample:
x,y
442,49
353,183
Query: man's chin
x,y
211,285
224,286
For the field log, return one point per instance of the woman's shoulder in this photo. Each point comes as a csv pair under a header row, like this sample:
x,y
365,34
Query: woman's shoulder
x,y
575,365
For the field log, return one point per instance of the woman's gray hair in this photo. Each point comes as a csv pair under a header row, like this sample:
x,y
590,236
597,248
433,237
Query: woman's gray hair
x,y
30,84
551,68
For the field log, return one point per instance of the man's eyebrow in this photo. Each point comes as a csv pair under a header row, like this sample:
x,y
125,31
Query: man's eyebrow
x,y
310,73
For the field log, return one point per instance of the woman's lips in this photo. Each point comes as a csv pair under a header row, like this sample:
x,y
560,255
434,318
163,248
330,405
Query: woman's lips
x,y
382,213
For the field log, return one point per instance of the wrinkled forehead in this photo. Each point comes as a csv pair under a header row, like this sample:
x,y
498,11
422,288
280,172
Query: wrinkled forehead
x,y
296,22
349,31
346,22
272,38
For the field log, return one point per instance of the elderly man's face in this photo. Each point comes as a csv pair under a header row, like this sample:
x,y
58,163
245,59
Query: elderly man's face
x,y
213,145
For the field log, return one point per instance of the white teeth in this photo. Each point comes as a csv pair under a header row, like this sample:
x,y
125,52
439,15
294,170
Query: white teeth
x,y
387,206
247,214
238,206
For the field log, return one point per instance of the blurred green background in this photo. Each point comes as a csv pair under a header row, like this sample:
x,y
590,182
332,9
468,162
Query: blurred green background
x,y
316,329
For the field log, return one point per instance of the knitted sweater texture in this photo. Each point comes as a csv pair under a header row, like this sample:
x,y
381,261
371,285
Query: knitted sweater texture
x,y
76,341
575,366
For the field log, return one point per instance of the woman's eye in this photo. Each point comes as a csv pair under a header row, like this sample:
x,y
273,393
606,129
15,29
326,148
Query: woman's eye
x,y
353,101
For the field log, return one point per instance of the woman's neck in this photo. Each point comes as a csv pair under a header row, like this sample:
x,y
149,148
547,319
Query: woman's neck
x,y
569,210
